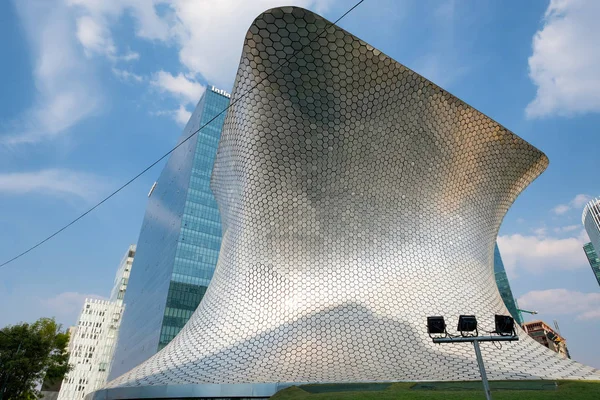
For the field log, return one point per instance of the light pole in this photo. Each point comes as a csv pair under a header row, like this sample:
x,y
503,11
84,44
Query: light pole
x,y
476,340
468,323
7,374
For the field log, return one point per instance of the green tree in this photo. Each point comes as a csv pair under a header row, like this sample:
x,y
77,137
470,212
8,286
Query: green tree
x,y
28,353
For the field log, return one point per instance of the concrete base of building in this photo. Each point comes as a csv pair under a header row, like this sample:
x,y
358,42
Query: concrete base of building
x,y
190,392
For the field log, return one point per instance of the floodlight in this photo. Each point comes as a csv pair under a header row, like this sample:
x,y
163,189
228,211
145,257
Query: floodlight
x,y
505,325
467,323
436,325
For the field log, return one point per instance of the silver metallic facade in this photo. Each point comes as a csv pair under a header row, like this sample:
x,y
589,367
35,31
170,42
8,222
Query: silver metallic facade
x,y
357,198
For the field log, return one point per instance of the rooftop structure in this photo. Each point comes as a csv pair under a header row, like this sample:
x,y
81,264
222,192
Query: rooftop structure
x,y
542,333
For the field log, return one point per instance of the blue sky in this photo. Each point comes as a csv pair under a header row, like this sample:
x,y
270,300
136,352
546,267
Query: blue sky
x,y
93,91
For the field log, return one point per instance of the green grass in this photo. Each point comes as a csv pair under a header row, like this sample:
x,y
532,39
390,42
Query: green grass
x,y
576,390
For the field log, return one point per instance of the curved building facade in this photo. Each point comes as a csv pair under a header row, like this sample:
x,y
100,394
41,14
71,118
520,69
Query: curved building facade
x,y
591,222
356,199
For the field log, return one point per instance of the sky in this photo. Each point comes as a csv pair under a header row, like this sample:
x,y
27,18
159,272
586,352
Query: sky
x,y
93,91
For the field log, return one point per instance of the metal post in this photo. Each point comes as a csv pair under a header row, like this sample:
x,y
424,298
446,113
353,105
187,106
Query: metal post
x,y
476,340
486,385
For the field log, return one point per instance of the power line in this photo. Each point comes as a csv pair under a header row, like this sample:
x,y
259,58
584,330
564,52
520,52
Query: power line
x,y
286,61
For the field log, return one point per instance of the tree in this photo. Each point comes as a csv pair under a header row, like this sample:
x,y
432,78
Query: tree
x,y
28,353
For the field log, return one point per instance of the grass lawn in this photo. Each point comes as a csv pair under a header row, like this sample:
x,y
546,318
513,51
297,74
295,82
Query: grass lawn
x,y
576,390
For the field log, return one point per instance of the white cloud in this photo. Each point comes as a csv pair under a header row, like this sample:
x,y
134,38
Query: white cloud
x,y
62,32
127,76
67,91
95,37
130,56
182,115
217,59
580,200
188,25
565,59
186,89
56,182
586,306
568,228
561,209
66,306
149,24
576,203
536,254
93,30
193,26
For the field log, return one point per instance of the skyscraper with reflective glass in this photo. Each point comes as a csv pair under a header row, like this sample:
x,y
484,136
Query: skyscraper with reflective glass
x,y
591,222
593,259
504,287
179,242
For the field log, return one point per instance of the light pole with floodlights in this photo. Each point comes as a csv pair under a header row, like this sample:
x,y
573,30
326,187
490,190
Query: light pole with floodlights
x,y
505,330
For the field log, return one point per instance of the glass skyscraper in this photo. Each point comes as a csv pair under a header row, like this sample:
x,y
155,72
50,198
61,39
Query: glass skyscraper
x,y
178,245
591,222
504,287
593,259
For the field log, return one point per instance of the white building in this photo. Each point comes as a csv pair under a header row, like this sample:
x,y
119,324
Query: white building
x,y
93,340
591,222
91,348
122,277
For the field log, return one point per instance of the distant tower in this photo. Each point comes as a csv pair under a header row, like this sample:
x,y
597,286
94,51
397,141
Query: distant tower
x,y
92,342
593,259
504,287
122,276
591,222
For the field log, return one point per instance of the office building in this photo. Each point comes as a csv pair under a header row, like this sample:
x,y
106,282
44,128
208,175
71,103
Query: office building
x,y
593,259
591,222
504,287
91,348
357,198
179,242
92,341
542,333
122,276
